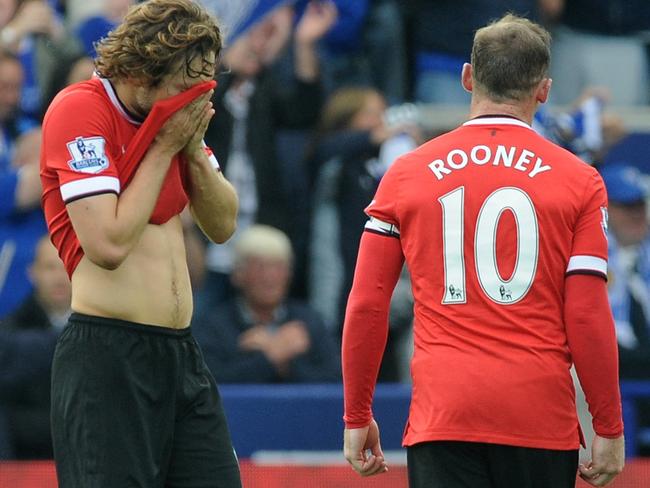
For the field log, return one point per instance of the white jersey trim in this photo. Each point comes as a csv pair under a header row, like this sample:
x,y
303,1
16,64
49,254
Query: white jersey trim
x,y
116,101
382,227
89,186
587,263
498,121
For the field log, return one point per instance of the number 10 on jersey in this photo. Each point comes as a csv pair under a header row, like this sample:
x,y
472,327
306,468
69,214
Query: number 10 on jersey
x,y
493,285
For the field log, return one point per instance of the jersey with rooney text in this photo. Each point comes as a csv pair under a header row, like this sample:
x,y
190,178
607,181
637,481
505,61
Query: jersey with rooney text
x,y
491,218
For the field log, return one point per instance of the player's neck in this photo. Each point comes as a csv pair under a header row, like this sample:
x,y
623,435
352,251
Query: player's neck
x,y
520,110
126,94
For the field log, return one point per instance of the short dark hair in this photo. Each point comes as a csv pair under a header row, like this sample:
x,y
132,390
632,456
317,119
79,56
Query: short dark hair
x,y
510,57
156,37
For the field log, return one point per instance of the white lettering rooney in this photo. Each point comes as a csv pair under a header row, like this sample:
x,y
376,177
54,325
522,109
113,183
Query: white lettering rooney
x,y
508,157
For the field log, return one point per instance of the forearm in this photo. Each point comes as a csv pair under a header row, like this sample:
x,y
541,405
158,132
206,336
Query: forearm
x,y
365,330
592,342
137,202
213,199
306,61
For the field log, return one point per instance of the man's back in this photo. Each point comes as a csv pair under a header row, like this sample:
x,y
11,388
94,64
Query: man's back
x,y
491,217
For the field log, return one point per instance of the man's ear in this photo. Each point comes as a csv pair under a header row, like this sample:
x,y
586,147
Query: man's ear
x,y
466,78
543,90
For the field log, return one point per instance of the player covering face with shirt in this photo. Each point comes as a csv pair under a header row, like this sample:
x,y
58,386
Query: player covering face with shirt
x,y
123,155
502,232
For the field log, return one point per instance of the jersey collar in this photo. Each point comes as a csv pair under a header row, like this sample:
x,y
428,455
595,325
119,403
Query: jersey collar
x,y
110,91
497,120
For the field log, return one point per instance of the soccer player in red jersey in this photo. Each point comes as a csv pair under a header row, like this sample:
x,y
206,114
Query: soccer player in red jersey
x,y
133,403
504,235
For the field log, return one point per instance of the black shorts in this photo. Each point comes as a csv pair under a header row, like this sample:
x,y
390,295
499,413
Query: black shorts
x,y
135,406
452,464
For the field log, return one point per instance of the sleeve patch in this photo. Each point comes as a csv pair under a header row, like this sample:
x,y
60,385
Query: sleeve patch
x,y
88,155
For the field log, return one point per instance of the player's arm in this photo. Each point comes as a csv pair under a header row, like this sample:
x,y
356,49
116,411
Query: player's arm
x,y
213,200
365,332
108,225
591,335
592,341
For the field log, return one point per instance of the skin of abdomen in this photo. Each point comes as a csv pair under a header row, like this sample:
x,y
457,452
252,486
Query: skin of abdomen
x,y
152,285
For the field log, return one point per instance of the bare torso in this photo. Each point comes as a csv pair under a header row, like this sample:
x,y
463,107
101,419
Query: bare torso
x,y
152,285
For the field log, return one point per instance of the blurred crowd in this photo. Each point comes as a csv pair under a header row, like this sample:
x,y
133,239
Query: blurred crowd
x,y
314,102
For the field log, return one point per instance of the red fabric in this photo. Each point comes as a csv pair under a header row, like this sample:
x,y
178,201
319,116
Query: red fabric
x,y
160,113
90,111
366,323
592,342
491,360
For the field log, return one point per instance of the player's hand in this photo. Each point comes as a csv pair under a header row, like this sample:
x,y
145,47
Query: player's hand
x,y
182,127
607,461
194,146
357,442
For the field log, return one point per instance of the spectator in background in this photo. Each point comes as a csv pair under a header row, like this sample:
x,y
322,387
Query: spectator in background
x,y
34,33
585,129
252,107
93,28
629,267
597,42
72,69
25,355
442,40
366,47
629,276
262,336
46,311
12,121
21,221
352,149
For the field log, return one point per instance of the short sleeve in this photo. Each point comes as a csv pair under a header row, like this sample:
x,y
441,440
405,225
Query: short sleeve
x,y
382,210
77,146
589,249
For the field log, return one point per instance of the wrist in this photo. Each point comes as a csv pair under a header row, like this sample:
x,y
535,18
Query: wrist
x,y
302,45
162,151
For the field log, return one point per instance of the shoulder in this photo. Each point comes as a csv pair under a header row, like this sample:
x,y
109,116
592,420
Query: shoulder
x,y
75,101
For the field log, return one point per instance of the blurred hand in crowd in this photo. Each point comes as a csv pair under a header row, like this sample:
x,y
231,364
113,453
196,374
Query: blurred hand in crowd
x,y
35,17
11,82
279,345
26,160
319,17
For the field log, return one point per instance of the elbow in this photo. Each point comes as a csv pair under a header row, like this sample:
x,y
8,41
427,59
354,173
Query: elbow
x,y
109,257
225,232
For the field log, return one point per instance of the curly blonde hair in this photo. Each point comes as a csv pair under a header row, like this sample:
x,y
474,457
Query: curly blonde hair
x,y
157,38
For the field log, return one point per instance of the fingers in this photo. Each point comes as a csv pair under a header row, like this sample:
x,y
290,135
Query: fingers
x,y
368,465
596,476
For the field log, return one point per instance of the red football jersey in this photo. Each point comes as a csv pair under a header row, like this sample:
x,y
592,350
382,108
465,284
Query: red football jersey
x,y
491,218
86,134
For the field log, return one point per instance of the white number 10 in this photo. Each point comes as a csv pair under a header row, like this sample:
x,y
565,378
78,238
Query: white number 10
x,y
492,283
